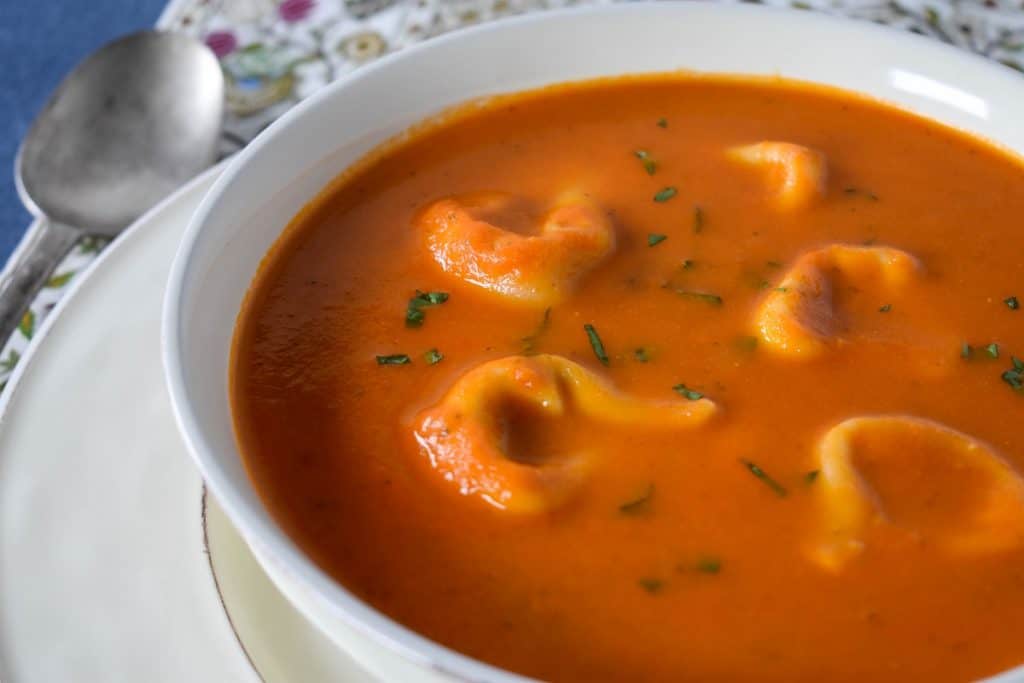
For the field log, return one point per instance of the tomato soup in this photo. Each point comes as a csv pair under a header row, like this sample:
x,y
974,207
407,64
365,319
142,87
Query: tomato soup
x,y
659,378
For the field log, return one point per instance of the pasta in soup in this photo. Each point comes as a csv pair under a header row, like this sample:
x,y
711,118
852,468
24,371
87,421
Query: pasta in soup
x,y
659,378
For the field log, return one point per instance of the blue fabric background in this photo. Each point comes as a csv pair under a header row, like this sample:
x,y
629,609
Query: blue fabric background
x,y
40,42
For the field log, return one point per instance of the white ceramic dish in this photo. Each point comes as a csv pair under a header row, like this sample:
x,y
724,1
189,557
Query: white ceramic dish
x,y
113,565
290,162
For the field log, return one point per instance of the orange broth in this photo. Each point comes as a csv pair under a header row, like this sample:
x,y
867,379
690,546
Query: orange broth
x,y
683,555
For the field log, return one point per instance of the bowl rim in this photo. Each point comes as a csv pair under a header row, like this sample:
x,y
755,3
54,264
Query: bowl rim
x,y
271,544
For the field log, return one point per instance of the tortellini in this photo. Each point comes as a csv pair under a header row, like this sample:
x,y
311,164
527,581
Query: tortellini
x,y
538,269
957,493
465,436
799,317
797,175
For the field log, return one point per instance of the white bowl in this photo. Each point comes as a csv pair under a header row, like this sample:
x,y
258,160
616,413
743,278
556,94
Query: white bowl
x,y
289,163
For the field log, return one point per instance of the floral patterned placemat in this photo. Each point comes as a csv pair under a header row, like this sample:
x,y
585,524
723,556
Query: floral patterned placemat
x,y
276,52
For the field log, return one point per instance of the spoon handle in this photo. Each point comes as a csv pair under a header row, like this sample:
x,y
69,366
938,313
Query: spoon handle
x,y
30,268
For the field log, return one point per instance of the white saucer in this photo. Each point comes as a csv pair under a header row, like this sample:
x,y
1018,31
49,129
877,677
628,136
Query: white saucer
x,y
105,571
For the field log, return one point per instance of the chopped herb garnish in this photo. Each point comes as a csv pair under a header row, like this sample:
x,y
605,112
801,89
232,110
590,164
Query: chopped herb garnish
x,y
413,317
688,264
885,309
595,343
652,586
966,351
645,158
665,194
433,298
433,357
654,238
530,341
712,299
394,359
698,219
1012,303
775,486
746,343
1015,376
662,123
811,476
687,393
414,311
640,505
782,290
992,350
858,191
641,355
709,565
773,264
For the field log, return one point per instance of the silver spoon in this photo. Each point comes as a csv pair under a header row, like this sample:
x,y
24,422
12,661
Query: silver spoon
x,y
130,124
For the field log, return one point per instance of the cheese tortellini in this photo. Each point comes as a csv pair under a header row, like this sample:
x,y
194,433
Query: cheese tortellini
x,y
797,175
799,317
539,269
465,436
955,493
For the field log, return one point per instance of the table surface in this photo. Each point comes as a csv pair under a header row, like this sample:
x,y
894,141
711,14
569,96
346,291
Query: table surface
x,y
40,42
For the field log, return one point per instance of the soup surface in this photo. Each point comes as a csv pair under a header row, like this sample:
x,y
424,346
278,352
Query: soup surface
x,y
660,378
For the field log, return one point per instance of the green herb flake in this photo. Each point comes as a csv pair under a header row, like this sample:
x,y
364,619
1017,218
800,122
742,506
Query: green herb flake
x,y
706,297
530,341
746,343
655,239
596,344
781,290
709,565
662,123
775,486
394,359
1015,375
641,355
414,317
773,264
698,220
665,194
687,393
640,505
433,357
433,298
688,264
966,352
811,476
645,158
1011,303
414,314
992,350
862,192
652,586
885,309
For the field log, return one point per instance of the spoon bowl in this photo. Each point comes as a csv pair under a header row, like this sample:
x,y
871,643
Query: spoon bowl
x,y
129,125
